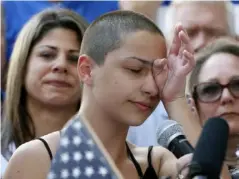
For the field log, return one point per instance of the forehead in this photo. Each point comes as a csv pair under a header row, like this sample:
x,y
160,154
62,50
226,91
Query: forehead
x,y
208,14
220,66
142,44
60,37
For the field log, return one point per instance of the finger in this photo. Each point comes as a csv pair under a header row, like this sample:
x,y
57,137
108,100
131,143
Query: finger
x,y
184,30
188,61
185,56
186,41
188,55
176,43
160,65
183,163
183,37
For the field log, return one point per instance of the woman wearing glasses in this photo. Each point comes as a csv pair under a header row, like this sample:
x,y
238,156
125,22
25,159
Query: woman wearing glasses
x,y
214,85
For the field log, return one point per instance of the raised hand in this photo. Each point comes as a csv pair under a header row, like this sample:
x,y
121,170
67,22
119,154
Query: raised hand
x,y
176,67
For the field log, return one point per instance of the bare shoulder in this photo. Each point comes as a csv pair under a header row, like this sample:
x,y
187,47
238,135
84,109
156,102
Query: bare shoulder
x,y
163,161
53,140
31,160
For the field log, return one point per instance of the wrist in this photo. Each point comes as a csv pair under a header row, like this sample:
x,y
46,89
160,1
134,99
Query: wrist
x,y
178,104
176,99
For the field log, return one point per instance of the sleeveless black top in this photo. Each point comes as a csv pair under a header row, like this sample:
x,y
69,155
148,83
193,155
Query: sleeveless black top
x,y
149,173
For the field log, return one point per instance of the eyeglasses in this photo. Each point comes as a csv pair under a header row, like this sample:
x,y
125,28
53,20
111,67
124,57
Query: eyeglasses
x,y
212,91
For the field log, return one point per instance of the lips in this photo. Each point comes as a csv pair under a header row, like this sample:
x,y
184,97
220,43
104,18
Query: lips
x,y
143,106
229,114
59,83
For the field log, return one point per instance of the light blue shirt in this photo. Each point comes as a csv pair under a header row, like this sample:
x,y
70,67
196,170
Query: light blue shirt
x,y
3,165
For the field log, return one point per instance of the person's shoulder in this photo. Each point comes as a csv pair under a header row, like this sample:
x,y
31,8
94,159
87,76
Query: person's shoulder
x,y
53,141
36,147
31,160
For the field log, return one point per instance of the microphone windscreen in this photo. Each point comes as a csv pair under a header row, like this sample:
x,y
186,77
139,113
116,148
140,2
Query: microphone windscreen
x,y
168,130
211,149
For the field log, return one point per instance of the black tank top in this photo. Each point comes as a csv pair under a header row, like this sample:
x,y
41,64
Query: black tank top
x,y
149,173
47,147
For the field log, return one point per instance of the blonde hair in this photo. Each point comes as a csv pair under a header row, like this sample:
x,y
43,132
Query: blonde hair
x,y
17,126
220,45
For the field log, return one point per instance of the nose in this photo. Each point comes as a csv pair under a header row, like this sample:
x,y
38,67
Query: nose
x,y
200,40
226,97
60,64
150,87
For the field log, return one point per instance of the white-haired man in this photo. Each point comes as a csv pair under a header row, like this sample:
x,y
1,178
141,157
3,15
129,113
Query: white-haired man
x,y
203,20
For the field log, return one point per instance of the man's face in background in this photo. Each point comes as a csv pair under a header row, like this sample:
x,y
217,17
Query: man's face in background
x,y
204,21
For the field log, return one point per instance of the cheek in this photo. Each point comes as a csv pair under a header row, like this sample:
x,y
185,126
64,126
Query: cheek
x,y
124,85
206,110
114,86
35,73
74,73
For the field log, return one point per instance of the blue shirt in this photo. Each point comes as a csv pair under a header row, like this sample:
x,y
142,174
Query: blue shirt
x,y
17,13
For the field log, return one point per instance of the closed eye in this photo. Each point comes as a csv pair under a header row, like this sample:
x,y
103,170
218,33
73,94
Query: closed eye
x,y
135,70
47,56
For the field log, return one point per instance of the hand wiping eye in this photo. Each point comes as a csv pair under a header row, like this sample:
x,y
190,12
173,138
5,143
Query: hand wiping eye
x,y
180,61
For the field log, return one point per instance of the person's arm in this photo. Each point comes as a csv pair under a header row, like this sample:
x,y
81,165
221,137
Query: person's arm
x,y
31,160
167,165
148,8
27,164
170,166
180,111
179,63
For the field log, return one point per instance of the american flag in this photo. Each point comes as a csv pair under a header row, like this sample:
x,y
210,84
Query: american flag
x,y
78,156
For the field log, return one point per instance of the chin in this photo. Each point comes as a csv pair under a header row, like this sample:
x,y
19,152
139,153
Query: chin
x,y
233,131
136,120
59,101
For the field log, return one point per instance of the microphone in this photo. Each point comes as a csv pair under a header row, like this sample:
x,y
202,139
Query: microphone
x,y
210,150
234,173
170,135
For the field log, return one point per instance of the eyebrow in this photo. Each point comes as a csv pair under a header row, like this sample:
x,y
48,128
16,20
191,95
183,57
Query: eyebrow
x,y
55,48
144,61
212,80
216,80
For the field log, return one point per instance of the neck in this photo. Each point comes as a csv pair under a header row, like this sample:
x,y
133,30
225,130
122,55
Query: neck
x,y
111,132
231,157
47,119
